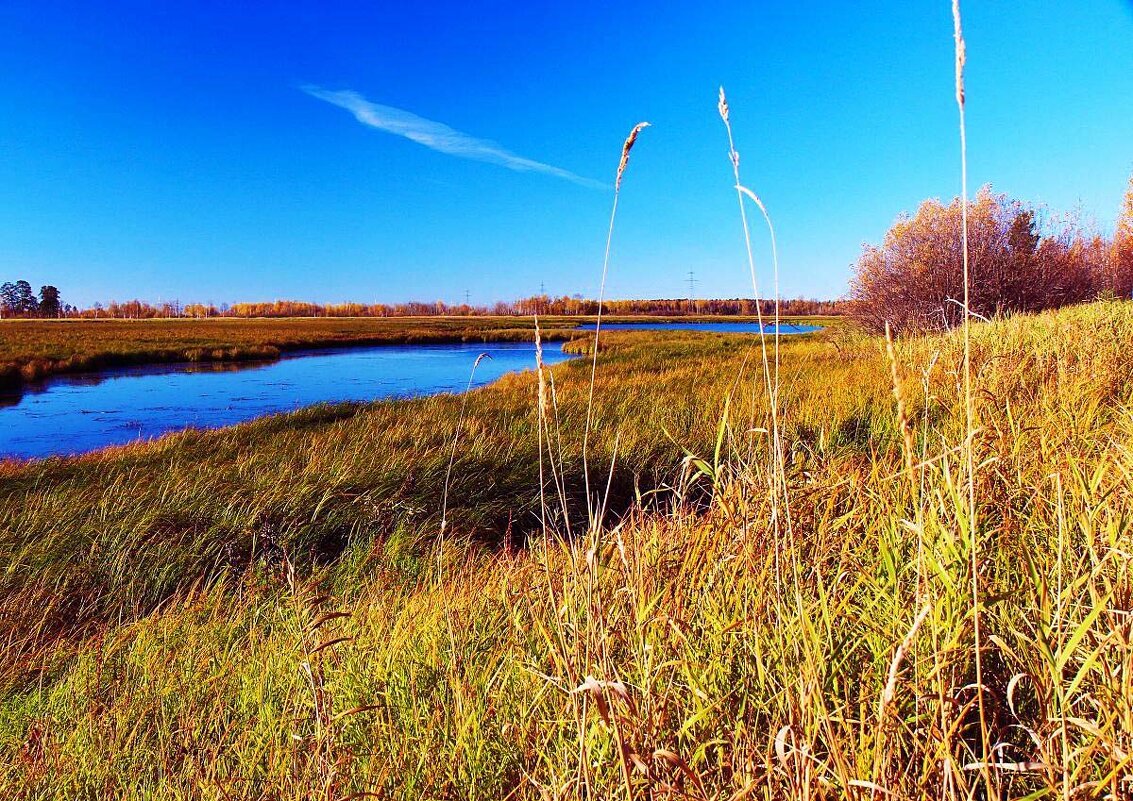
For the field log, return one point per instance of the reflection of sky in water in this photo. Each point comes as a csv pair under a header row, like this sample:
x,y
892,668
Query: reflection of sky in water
x,y
73,414
723,328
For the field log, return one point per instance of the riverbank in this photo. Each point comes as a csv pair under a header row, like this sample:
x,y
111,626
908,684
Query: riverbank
x,y
31,350
275,610
68,414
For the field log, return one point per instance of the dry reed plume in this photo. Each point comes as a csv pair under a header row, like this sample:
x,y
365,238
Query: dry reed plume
x,y
623,163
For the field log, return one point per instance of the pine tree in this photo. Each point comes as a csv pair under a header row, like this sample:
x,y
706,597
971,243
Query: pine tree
x,y
49,304
26,301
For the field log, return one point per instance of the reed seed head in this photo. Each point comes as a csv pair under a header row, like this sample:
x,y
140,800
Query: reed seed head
x,y
733,156
961,53
723,106
544,396
628,146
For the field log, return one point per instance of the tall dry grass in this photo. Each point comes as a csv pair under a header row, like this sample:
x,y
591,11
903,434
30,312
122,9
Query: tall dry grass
x,y
623,164
659,658
656,656
969,408
268,612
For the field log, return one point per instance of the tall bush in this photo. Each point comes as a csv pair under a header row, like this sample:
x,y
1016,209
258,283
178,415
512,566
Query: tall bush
x,y
914,279
1121,254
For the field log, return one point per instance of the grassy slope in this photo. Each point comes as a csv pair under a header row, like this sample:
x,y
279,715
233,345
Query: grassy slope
x,y
754,662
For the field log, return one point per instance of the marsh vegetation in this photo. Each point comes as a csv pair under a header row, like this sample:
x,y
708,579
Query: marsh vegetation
x,y
692,565
270,611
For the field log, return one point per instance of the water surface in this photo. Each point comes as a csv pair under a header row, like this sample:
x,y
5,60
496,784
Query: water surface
x,y
79,413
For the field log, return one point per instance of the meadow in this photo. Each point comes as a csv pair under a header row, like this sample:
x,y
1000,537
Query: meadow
x,y
420,599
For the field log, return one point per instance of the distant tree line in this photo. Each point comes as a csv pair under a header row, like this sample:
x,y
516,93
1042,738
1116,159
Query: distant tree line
x,y
672,307
1017,262
18,300
141,310
538,304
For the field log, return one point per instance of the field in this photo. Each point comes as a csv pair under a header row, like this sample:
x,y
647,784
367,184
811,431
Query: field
x,y
33,349
409,600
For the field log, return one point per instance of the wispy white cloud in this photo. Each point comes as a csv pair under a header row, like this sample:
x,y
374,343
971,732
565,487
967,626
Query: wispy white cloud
x,y
438,136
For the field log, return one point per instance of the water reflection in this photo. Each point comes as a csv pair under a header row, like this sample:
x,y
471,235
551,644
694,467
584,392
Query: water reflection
x,y
11,396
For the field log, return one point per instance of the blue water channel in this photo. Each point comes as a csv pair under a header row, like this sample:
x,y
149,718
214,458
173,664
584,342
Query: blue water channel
x,y
73,414
77,413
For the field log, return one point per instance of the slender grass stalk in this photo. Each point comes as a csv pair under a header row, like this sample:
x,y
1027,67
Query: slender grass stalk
x,y
440,578
903,421
915,497
890,691
627,146
920,492
456,439
542,402
776,465
594,515
774,275
1064,749
969,403
558,470
546,404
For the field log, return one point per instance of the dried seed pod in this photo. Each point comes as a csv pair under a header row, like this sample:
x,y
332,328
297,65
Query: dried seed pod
x,y
628,146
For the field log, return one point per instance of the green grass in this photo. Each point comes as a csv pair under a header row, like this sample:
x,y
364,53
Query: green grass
x,y
165,606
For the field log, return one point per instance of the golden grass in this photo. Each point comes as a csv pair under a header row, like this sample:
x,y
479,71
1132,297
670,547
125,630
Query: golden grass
x,y
277,611
652,657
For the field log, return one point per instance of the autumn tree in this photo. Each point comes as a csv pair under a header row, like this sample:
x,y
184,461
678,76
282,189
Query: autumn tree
x,y
914,280
1121,253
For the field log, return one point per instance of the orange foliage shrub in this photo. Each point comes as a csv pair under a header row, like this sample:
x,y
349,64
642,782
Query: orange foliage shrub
x,y
914,280
1121,256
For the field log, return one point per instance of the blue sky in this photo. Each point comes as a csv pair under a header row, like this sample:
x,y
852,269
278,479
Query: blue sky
x,y
219,151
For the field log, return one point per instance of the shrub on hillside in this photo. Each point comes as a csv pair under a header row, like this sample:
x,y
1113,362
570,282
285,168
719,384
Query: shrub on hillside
x,y
915,279
1120,275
